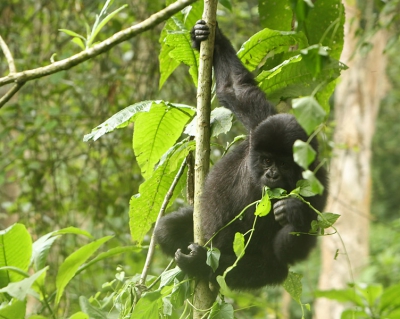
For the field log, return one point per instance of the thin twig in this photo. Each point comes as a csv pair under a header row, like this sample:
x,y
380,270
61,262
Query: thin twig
x,y
164,205
14,89
97,49
8,55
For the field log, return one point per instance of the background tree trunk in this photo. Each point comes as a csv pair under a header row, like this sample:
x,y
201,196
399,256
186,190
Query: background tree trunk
x,y
357,101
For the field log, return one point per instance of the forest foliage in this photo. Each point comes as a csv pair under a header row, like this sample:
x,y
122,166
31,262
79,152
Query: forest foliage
x,y
299,66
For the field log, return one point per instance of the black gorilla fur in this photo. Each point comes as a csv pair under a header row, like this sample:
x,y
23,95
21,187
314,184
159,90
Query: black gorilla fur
x,y
265,158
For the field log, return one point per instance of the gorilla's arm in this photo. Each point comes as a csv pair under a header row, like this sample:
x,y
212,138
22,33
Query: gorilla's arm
x,y
236,88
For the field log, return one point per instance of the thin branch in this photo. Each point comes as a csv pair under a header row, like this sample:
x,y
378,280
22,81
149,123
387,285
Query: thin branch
x,y
97,49
8,55
14,89
152,245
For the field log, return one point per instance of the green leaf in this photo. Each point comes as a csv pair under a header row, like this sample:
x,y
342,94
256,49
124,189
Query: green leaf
x,y
293,286
276,15
220,120
327,220
343,295
21,288
354,314
14,309
264,206
303,153
103,23
147,306
221,311
371,293
119,120
16,251
72,34
238,245
71,264
308,113
167,64
390,298
292,79
157,131
304,188
227,4
167,277
315,57
223,287
316,186
41,249
144,207
182,21
275,192
79,315
213,255
92,311
182,52
79,42
71,230
253,51
326,20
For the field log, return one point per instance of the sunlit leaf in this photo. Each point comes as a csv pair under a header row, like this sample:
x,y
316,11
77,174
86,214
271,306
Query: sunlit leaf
x,y
238,245
308,113
303,153
16,251
156,131
254,50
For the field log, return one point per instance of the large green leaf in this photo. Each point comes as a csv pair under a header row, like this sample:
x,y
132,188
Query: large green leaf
x,y
15,309
325,25
303,153
292,79
293,286
221,311
15,250
71,264
220,121
182,21
118,120
147,306
254,50
276,14
156,131
144,207
167,63
308,113
176,45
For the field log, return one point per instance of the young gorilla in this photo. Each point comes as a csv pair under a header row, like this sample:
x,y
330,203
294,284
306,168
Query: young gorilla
x,y
264,159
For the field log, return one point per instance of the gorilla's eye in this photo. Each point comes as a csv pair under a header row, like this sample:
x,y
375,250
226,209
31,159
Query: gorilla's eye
x,y
267,161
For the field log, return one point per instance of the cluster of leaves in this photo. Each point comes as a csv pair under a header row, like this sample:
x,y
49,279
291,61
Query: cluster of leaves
x,y
290,64
19,255
369,301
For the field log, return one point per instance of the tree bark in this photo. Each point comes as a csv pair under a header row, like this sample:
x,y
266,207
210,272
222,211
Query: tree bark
x,y
203,297
357,100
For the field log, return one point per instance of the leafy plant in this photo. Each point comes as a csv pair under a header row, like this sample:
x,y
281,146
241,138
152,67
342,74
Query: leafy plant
x,y
368,300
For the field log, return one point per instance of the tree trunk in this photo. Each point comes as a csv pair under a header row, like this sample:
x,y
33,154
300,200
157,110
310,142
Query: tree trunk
x,y
357,100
